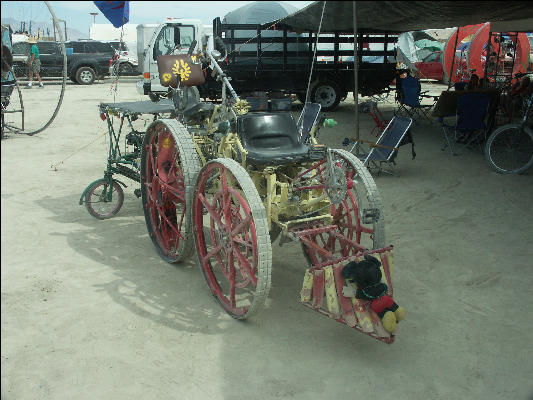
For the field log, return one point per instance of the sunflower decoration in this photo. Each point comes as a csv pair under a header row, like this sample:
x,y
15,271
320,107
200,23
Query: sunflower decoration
x,y
167,77
241,107
183,69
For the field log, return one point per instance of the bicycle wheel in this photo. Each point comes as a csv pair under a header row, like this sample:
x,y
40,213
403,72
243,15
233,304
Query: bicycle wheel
x,y
358,213
169,166
509,150
232,238
98,202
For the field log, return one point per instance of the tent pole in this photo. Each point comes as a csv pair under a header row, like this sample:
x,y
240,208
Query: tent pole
x,y
356,82
453,58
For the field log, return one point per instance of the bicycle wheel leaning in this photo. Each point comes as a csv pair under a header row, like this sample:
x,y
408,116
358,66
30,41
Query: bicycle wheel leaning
x,y
509,149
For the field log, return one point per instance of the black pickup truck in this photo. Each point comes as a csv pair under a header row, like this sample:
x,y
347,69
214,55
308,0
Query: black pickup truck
x,y
89,60
273,59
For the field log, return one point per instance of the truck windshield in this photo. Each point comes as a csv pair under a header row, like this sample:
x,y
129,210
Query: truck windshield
x,y
166,42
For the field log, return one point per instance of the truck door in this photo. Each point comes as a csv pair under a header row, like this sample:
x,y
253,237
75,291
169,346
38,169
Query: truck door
x,y
172,39
51,59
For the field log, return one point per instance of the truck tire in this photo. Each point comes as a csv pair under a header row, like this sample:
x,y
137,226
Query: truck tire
x,y
125,69
328,94
85,76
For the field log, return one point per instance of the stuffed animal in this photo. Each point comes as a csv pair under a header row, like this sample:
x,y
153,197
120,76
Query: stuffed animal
x,y
364,278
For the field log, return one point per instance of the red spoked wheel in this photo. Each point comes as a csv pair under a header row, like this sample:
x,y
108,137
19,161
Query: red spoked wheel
x,y
232,239
169,167
355,206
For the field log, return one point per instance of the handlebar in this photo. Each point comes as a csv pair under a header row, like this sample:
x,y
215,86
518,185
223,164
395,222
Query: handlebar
x,y
191,48
220,46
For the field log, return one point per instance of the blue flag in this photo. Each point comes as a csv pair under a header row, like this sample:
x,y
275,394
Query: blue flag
x,y
117,12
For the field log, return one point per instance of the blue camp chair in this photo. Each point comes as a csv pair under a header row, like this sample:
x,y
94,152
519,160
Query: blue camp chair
x,y
470,120
409,97
385,149
459,86
307,120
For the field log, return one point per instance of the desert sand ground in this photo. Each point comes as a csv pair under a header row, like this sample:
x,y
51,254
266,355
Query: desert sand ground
x,y
90,311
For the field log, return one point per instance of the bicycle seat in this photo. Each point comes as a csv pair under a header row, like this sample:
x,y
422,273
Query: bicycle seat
x,y
195,112
271,138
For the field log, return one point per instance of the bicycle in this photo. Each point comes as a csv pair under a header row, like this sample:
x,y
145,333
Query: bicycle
x,y
509,149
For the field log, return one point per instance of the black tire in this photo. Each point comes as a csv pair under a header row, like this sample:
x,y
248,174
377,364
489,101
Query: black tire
x,y
125,69
159,218
85,76
509,149
328,94
107,208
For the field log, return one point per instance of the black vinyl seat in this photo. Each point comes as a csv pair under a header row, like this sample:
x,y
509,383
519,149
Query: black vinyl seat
x,y
271,138
198,111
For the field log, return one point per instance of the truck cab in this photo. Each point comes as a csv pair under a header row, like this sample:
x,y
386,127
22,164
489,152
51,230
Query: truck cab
x,y
173,36
273,59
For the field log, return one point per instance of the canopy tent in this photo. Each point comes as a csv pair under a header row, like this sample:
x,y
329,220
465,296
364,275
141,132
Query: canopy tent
x,y
416,50
439,34
430,45
399,16
404,16
521,25
406,45
261,12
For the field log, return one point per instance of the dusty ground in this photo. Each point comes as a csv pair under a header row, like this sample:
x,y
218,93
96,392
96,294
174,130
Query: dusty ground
x,y
89,311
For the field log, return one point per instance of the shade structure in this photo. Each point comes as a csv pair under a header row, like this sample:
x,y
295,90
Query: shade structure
x,y
405,16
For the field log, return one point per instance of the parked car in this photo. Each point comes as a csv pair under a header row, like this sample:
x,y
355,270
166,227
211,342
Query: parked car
x,y
431,67
128,64
87,63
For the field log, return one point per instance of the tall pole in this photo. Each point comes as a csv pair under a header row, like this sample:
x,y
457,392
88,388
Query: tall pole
x,y
94,14
356,81
453,58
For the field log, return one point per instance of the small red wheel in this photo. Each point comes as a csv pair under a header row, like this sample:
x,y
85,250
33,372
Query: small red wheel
x,y
356,211
169,166
100,202
232,238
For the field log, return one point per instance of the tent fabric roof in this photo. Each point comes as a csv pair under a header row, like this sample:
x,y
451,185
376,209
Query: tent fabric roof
x,y
259,12
522,25
404,16
429,44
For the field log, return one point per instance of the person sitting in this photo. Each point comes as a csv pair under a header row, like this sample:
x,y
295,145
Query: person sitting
x,y
513,101
473,84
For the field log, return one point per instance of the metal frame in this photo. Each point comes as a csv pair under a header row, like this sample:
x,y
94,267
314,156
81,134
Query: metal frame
x,y
127,161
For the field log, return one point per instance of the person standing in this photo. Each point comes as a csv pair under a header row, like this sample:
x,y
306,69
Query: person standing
x,y
34,64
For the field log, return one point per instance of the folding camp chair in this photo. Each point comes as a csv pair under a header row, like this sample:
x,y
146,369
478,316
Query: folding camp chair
x,y
409,98
470,118
385,149
307,121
